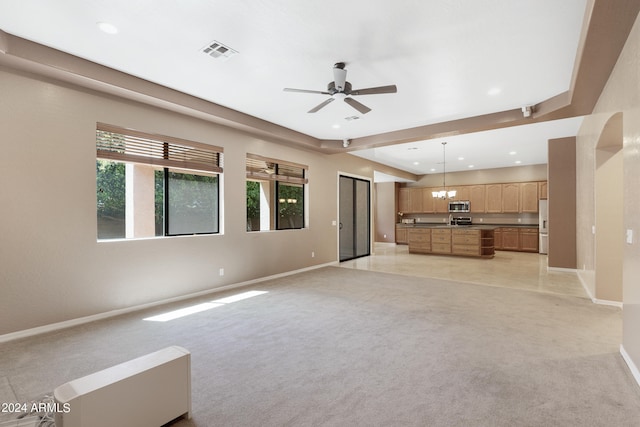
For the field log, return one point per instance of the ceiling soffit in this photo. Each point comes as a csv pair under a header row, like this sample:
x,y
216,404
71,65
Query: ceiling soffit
x,y
605,30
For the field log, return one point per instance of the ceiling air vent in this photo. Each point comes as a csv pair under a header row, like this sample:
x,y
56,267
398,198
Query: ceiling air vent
x,y
351,118
217,50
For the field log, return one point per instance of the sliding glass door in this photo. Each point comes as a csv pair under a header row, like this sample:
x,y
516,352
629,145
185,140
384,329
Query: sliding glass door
x,y
355,218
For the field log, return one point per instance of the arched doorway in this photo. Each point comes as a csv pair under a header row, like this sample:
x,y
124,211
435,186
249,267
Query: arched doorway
x,y
609,211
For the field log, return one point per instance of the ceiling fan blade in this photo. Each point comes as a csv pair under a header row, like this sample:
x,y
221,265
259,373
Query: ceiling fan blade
x,y
319,106
288,89
358,106
375,90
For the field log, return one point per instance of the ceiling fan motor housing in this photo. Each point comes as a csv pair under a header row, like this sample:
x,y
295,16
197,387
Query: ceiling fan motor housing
x,y
331,88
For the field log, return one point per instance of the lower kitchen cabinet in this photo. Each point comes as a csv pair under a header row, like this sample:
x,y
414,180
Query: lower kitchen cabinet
x,y
401,235
420,241
529,239
520,239
510,239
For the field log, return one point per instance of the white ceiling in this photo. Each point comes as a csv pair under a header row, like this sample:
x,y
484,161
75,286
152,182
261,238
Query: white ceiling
x,y
444,56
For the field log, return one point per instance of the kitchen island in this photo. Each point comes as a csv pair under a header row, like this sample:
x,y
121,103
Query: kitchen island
x,y
475,241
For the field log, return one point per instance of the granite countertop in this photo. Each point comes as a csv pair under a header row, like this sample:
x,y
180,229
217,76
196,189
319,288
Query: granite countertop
x,y
476,226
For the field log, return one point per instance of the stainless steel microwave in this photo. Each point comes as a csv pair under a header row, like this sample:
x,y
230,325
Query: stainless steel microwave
x,y
459,206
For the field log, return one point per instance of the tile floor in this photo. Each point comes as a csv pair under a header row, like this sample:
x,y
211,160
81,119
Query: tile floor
x,y
518,270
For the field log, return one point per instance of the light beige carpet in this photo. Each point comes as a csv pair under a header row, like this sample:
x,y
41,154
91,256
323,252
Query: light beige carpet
x,y
340,347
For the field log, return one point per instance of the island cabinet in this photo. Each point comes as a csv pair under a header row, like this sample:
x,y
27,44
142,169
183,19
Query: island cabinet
x,y
441,240
471,242
420,240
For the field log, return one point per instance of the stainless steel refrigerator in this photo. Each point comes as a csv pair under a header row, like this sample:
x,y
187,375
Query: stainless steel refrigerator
x,y
543,226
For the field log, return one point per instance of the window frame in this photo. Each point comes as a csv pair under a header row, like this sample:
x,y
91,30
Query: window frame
x,y
168,154
261,169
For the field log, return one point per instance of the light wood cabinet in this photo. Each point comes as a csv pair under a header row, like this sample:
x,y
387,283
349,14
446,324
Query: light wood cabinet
x,y
462,192
493,198
522,239
543,189
511,198
401,235
497,238
420,240
415,200
477,198
528,239
428,205
403,200
441,240
440,205
510,239
529,197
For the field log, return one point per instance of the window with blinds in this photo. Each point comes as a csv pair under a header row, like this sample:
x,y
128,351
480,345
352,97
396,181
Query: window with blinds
x,y
275,194
154,185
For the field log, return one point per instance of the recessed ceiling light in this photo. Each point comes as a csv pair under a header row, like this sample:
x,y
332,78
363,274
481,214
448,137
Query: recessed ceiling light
x,y
518,162
108,28
471,166
494,91
512,153
433,169
416,163
460,158
336,126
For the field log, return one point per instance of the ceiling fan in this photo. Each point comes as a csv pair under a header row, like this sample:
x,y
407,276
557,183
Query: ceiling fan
x,y
341,88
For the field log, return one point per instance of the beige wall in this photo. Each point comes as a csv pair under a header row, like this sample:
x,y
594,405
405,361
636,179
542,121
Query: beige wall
x,y
485,176
562,203
621,94
53,269
385,212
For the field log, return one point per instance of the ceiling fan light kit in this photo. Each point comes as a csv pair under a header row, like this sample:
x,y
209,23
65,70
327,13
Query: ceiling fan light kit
x,y
341,88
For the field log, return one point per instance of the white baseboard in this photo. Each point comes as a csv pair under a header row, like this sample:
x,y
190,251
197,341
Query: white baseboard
x,y
561,269
596,300
81,320
632,366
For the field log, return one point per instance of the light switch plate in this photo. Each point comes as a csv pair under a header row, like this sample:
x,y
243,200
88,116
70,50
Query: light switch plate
x,y
630,237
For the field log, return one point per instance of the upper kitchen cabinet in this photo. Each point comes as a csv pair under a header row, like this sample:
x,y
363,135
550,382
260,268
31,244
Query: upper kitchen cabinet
x,y
415,200
511,198
477,198
403,200
529,197
542,190
428,202
493,198
462,192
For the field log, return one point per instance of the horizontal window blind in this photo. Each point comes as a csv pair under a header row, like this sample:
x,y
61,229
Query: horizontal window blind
x,y
264,168
115,143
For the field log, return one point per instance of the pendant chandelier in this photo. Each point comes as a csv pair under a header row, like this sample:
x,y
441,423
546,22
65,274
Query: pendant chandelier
x,y
444,194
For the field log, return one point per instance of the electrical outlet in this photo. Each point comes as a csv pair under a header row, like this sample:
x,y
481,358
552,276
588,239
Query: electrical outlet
x,y
384,236
222,271
630,237
313,254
